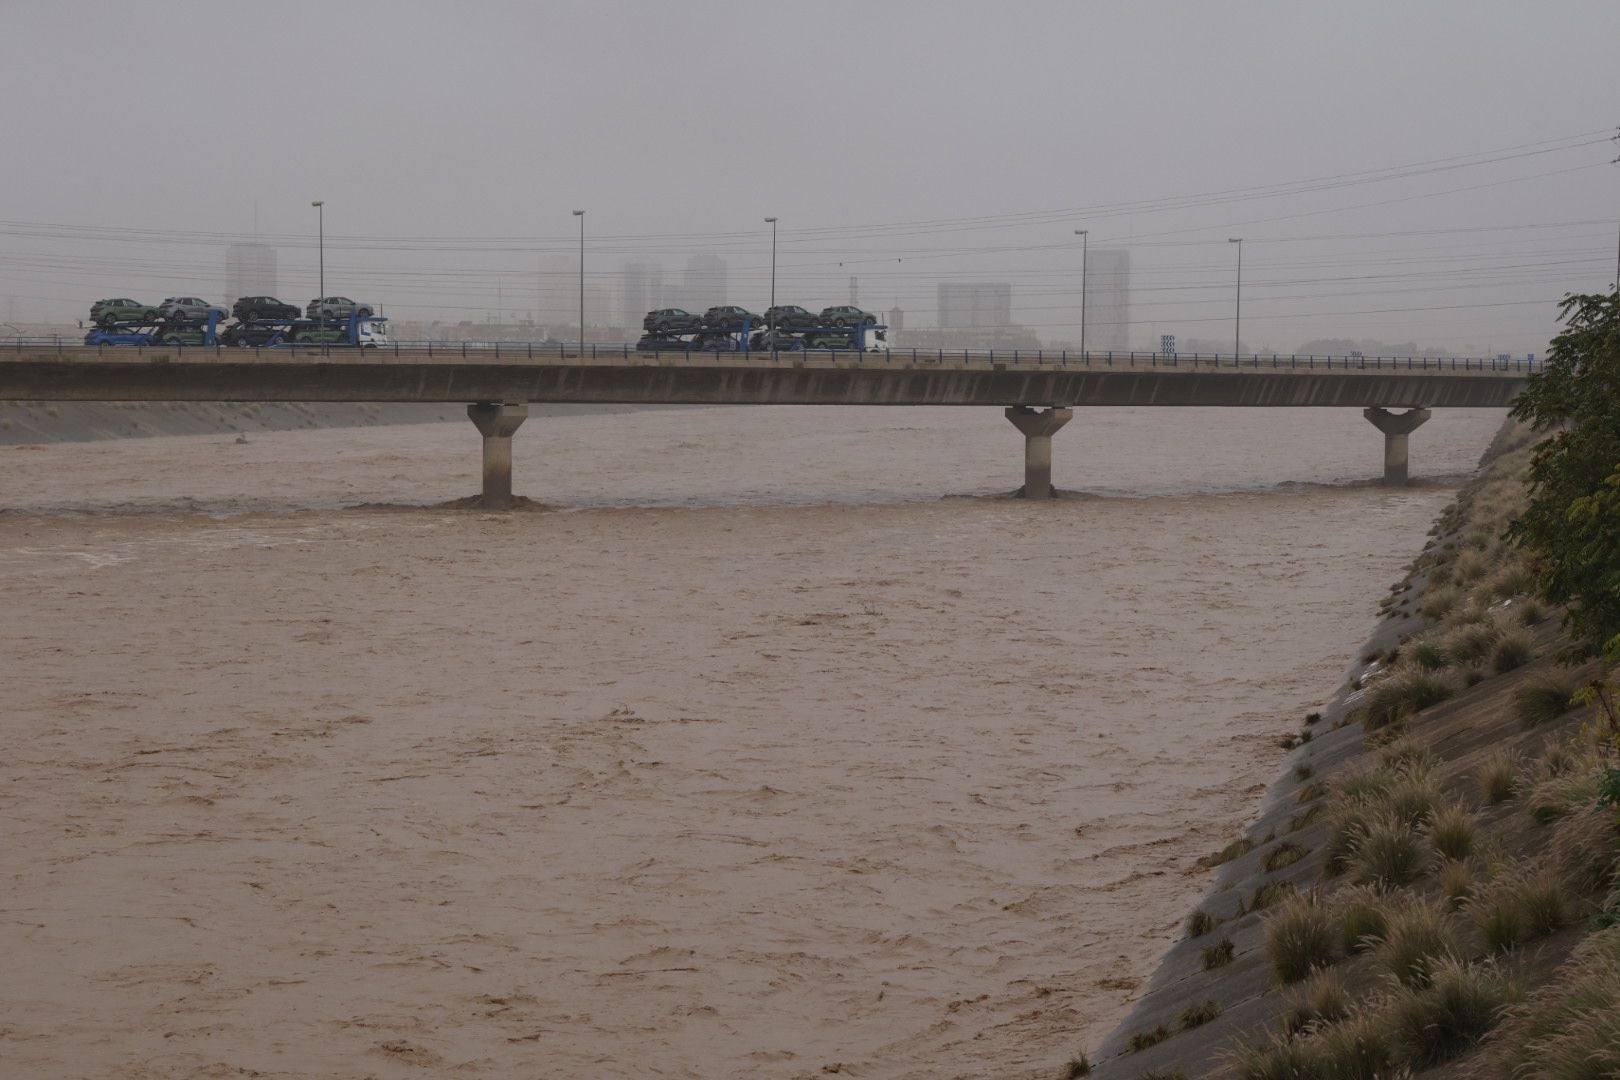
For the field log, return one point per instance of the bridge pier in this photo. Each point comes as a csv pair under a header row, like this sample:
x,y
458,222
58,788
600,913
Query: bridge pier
x,y
1038,428
496,423
1396,427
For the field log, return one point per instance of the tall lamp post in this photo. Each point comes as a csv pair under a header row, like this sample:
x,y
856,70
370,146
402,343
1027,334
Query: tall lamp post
x,y
320,242
1237,327
581,215
1084,243
770,324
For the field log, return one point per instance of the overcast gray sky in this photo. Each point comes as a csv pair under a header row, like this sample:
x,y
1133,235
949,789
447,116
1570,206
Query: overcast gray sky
x,y
1457,154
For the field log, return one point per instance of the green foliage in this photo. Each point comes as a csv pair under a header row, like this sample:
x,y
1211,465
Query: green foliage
x,y
1572,523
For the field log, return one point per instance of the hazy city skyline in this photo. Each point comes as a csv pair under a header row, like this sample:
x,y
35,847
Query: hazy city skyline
x,y
1429,174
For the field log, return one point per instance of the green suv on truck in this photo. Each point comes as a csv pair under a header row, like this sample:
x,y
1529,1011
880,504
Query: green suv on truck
x,y
106,312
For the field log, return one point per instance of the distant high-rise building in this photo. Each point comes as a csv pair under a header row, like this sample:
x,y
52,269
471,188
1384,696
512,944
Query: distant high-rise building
x,y
642,290
897,318
704,283
975,304
1108,300
250,270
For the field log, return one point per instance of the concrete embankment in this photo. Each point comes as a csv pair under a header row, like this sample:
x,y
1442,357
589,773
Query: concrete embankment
x,y
1462,621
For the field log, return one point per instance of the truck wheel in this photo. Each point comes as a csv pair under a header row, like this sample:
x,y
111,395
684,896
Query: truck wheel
x,y
840,321
364,313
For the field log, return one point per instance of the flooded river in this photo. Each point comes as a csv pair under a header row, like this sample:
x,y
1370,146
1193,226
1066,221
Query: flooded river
x,y
775,742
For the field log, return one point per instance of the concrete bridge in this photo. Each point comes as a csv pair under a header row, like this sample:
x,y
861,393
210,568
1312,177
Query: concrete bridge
x,y
1037,390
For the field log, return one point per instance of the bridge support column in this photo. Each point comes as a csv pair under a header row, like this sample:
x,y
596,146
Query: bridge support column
x,y
1396,427
1038,428
496,423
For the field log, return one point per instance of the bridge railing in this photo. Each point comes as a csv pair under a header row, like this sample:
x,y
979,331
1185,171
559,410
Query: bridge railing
x,y
513,351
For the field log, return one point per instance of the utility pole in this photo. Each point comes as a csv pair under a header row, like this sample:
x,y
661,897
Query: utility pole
x,y
1085,241
581,215
1237,328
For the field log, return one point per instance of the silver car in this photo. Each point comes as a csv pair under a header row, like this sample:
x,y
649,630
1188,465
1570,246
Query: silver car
x,y
338,307
189,307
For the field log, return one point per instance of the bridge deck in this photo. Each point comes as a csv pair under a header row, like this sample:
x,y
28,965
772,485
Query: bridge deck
x,y
621,375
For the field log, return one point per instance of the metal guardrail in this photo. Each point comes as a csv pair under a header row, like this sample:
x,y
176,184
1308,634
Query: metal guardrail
x,y
562,353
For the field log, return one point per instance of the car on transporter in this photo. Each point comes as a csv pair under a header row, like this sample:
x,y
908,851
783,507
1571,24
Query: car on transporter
x,y
729,317
671,320
121,309
791,316
249,308
846,315
338,307
188,308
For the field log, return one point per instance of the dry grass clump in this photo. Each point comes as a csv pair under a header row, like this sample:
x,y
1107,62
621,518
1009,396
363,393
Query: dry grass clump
x,y
1451,1015
1429,656
1418,936
1363,919
1457,882
1323,1000
1451,832
1471,565
1236,849
1356,1048
1141,1040
1521,907
1200,1014
1281,1057
1586,850
1532,613
1078,1066
1498,777
1440,602
1401,695
1562,795
1200,923
1300,938
1219,954
1472,643
1313,790
1543,700
1270,893
1283,855
1389,853
1407,754
1570,1028
1513,649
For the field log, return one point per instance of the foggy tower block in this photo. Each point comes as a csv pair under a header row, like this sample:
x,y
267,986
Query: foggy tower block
x,y
643,291
704,283
1108,300
250,270
978,305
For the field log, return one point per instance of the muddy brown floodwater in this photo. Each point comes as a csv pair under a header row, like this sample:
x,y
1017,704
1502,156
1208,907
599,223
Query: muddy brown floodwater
x,y
780,743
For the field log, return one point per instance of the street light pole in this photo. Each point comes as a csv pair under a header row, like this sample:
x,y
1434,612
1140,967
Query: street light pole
x,y
770,323
1237,327
320,243
1085,241
581,215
